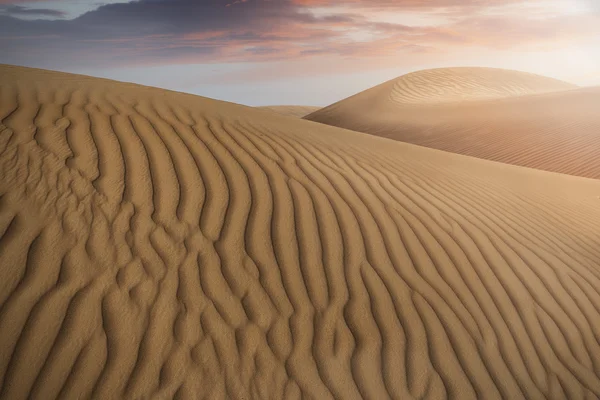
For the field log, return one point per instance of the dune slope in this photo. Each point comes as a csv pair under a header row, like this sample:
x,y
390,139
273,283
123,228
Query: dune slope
x,y
160,245
554,131
291,111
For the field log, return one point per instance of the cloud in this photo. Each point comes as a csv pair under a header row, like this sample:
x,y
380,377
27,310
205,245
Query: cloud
x,y
189,31
14,10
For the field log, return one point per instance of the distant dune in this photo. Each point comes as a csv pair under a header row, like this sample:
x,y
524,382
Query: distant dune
x,y
155,244
449,85
292,111
550,125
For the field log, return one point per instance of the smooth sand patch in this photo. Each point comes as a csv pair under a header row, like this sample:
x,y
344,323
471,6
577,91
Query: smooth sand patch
x,y
155,244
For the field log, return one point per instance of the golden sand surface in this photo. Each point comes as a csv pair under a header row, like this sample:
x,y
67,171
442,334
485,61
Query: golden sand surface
x,y
158,245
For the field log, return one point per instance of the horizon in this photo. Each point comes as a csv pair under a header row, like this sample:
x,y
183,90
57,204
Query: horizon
x,y
298,52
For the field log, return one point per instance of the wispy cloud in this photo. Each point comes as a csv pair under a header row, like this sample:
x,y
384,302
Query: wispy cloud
x,y
15,10
155,32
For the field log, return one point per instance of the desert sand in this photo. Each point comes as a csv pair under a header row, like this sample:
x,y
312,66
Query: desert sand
x,y
155,244
291,111
507,116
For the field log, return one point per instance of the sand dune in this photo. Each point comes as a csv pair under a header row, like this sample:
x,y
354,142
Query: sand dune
x,y
444,85
291,111
155,244
554,131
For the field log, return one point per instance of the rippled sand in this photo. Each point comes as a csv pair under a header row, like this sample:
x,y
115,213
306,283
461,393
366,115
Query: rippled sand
x,y
161,245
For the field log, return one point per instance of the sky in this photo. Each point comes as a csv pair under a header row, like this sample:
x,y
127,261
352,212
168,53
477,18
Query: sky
x,y
302,52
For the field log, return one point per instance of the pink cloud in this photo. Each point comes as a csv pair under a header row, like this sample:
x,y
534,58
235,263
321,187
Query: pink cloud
x,y
186,31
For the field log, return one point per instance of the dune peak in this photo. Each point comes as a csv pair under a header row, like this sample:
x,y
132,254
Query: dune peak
x,y
444,85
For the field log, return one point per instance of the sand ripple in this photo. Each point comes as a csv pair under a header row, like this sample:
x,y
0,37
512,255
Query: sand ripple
x,y
161,245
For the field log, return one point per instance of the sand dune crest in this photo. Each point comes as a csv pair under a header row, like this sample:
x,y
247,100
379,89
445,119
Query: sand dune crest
x,y
161,245
449,85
